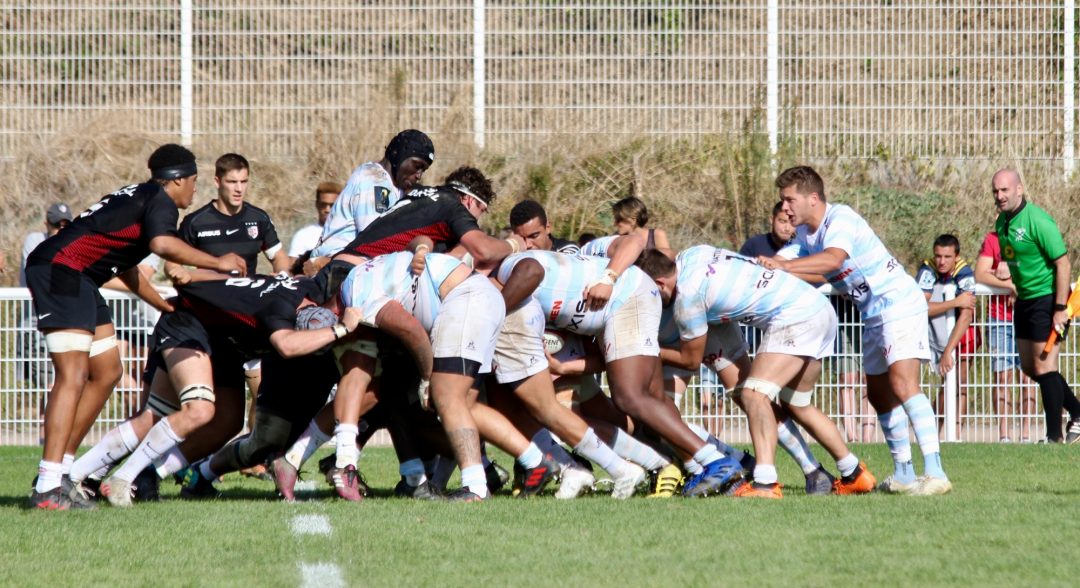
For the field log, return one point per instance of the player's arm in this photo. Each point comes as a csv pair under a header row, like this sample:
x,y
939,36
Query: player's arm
x,y
281,261
590,363
688,356
1062,289
962,323
395,321
819,264
487,250
294,343
174,249
963,301
523,281
622,253
420,246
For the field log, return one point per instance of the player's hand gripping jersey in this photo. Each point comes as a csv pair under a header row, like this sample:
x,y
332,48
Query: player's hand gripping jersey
x,y
369,193
111,236
870,275
376,282
561,291
717,286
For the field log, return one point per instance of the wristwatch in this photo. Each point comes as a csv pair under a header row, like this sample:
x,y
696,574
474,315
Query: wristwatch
x,y
1060,307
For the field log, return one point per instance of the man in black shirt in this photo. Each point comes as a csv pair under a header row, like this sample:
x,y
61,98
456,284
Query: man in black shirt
x,y
63,275
529,221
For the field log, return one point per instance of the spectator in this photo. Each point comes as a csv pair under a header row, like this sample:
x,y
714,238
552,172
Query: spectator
x,y
57,217
767,244
305,239
1032,245
585,238
631,216
989,271
948,269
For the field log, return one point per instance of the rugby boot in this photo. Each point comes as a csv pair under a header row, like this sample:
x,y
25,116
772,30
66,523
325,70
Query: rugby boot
x,y
285,478
1072,432
574,482
891,485
197,487
346,483
425,491
78,495
627,484
861,481
931,486
668,481
755,490
719,477
819,482
535,479
464,495
52,500
497,477
147,485
119,492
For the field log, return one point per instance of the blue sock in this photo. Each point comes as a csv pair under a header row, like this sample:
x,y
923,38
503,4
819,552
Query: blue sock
x,y
894,424
921,413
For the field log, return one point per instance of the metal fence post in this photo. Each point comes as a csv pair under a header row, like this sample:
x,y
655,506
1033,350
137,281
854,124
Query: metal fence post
x,y
186,71
479,81
772,75
952,381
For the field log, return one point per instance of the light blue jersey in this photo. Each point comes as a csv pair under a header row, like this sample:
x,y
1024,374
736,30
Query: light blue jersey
x,y
369,193
374,283
870,275
561,292
717,286
598,247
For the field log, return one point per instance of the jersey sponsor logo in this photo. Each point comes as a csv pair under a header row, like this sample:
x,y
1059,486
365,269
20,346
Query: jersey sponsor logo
x,y
555,309
253,231
1008,252
213,233
843,274
967,284
1018,234
44,316
926,280
229,232
382,199
580,310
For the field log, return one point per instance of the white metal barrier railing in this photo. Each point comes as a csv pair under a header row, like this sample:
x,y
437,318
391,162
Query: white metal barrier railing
x,y
988,404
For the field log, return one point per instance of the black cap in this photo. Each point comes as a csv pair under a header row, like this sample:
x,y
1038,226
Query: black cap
x,y
171,161
406,144
57,214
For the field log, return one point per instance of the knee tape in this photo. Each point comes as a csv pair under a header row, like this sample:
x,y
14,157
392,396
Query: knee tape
x,y
160,407
763,386
197,392
63,341
102,345
795,397
269,434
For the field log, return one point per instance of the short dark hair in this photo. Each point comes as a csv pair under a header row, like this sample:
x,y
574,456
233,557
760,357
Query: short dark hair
x,y
585,238
777,208
804,178
525,211
655,264
473,180
229,162
632,209
947,240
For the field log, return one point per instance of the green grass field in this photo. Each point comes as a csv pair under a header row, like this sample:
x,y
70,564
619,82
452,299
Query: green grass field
x,y
1011,521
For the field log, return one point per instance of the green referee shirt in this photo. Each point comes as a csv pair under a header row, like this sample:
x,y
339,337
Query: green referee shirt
x,y
1030,242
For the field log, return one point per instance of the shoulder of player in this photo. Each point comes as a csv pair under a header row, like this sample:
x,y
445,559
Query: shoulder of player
x,y
252,212
199,213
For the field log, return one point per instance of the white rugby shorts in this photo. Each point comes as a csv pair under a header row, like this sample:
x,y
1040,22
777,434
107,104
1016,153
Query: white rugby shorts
x,y
468,322
810,338
519,349
633,328
889,342
724,344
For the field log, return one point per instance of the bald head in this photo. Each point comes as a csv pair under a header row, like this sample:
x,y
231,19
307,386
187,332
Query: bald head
x,y
1008,190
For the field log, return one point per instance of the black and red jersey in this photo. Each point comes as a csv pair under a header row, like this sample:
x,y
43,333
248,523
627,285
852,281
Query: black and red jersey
x,y
435,212
246,233
246,310
113,235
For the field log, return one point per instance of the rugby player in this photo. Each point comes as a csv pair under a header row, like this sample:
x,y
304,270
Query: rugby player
x,y
833,242
64,273
799,327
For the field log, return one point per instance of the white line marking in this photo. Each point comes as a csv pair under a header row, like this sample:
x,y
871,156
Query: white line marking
x,y
320,575
310,525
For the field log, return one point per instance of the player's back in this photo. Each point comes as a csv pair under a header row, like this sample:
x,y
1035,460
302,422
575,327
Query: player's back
x,y
731,287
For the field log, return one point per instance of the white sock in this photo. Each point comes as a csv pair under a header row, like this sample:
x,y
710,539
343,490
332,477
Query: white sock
x,y
112,448
707,454
764,474
66,464
847,465
49,474
474,479
787,433
530,458
347,454
413,471
692,467
160,439
735,453
595,450
630,449
171,463
309,442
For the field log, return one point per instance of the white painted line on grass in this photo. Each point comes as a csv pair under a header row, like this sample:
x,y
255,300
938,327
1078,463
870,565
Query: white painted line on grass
x,y
321,575
310,525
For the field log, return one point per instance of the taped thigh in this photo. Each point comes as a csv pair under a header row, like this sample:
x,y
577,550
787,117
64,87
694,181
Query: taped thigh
x,y
102,345
197,392
64,341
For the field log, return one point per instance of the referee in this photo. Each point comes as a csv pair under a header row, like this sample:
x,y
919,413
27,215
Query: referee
x,y
1032,245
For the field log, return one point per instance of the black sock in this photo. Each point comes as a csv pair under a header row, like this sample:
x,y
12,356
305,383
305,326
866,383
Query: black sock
x,y
1070,401
1052,386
